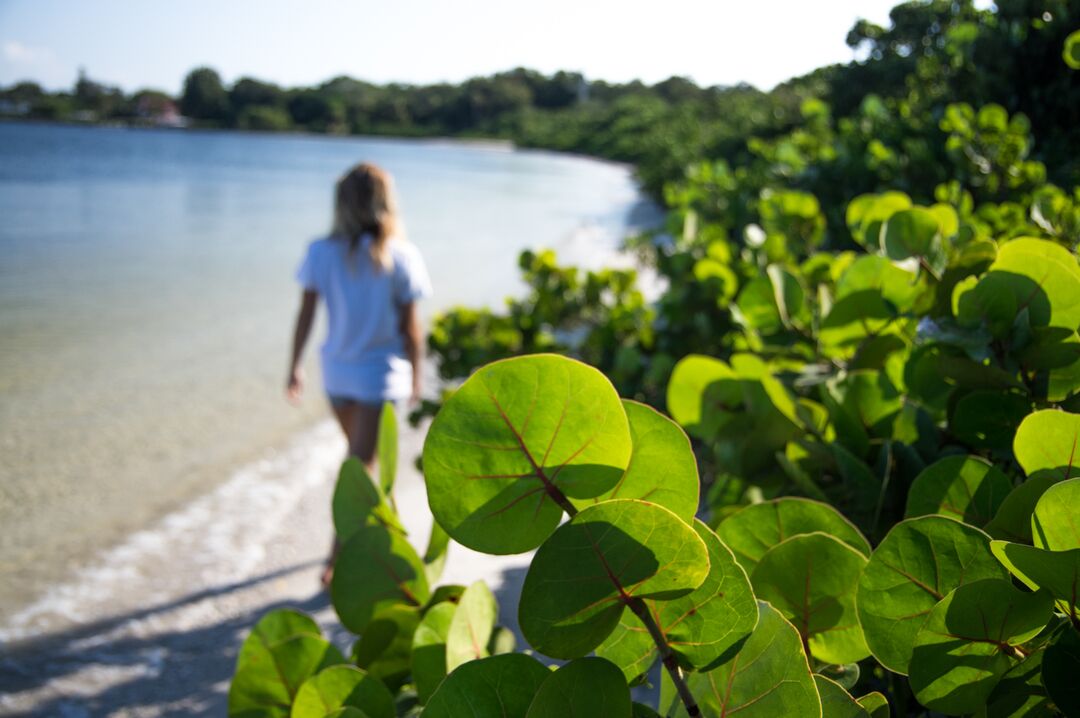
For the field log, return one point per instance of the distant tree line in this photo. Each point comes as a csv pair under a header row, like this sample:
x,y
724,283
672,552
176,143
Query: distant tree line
x,y
934,52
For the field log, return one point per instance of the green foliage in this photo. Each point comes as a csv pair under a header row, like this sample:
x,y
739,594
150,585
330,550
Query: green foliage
x,y
869,329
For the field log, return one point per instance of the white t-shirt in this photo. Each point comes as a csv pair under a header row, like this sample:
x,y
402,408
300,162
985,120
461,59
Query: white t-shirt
x,y
363,357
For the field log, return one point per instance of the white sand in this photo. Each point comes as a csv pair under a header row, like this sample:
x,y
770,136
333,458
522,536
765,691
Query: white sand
x,y
152,628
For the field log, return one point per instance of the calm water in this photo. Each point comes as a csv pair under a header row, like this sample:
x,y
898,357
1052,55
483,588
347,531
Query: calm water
x,y
146,300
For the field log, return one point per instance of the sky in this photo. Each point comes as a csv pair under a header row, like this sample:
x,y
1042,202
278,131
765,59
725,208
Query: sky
x,y
152,43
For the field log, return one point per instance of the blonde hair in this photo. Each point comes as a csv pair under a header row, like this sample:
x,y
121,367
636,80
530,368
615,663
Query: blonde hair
x,y
365,204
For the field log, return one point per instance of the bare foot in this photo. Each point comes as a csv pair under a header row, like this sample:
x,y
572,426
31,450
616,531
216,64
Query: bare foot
x,y
327,575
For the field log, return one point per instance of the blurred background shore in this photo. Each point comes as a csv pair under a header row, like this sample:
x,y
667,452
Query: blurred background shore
x,y
146,301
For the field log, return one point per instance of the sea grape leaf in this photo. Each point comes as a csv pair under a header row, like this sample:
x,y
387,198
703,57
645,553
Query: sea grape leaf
x,y
387,448
1013,518
703,628
753,530
576,587
1071,51
640,710
768,677
339,687
282,651
686,390
1055,524
496,687
987,419
837,702
429,649
1056,571
918,562
375,569
359,502
811,579
757,307
517,433
853,318
583,688
965,646
845,674
502,640
1044,278
1046,441
986,301
913,232
788,294
867,212
435,553
662,469
898,286
385,648
1020,692
875,704
346,712
966,488
472,625
1061,666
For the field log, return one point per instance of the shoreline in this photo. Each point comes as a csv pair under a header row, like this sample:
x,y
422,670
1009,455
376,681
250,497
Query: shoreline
x,y
494,144
152,627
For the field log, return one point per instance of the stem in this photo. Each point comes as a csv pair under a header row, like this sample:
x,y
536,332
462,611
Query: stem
x,y
667,656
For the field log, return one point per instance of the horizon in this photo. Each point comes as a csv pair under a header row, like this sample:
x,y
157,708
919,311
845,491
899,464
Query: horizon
x,y
45,42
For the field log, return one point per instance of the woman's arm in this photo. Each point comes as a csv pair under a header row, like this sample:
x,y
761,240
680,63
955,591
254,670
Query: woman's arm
x,y
294,387
413,333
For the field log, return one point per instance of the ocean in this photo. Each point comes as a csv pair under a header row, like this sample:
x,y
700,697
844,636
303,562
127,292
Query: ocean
x,y
147,300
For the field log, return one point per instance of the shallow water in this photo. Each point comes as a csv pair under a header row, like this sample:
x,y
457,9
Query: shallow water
x,y
146,300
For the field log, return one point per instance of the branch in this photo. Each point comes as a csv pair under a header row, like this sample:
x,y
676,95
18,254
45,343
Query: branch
x,y
667,656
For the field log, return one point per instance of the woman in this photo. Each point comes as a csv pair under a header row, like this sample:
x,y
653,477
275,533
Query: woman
x,y
370,279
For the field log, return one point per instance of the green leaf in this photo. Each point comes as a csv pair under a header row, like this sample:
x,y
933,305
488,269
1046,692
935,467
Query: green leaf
x,y
496,687
752,531
429,649
837,702
875,704
583,688
686,390
1056,571
965,488
988,419
283,650
768,677
703,628
1013,519
987,301
872,272
1071,51
573,595
359,502
435,554
966,644
517,433
375,569
1055,525
855,317
340,687
387,449
1044,278
1046,441
385,648
662,469
1020,692
472,625
910,233
866,213
811,579
640,710
917,563
1061,666
757,307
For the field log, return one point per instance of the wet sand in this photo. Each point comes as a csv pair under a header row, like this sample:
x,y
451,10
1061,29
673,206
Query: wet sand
x,y
153,628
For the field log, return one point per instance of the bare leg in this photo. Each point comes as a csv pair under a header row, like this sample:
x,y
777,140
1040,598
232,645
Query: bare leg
x,y
360,422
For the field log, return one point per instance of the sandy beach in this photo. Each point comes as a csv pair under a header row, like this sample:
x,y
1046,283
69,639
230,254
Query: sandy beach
x,y
153,627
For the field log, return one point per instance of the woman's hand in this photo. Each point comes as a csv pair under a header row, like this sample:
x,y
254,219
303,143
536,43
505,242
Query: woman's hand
x,y
294,387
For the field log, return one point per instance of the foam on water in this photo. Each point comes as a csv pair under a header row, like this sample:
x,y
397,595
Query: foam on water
x,y
214,540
